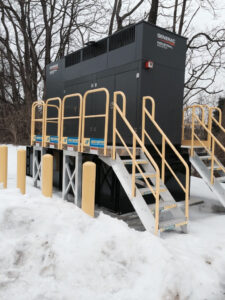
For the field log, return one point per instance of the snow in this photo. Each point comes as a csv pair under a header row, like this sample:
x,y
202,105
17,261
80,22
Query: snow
x,y
51,250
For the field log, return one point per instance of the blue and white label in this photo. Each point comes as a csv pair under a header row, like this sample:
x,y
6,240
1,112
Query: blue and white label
x,y
38,138
54,139
72,141
97,143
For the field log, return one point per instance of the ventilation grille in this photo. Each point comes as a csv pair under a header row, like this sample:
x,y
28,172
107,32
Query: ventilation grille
x,y
95,49
72,59
121,39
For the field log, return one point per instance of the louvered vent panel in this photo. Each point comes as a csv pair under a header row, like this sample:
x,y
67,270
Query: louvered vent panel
x,y
122,38
73,59
95,49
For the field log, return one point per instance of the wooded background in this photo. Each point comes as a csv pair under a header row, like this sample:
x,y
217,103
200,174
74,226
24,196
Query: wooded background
x,y
34,33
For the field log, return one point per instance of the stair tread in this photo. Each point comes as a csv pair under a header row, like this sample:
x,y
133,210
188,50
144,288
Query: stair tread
x,y
171,223
147,175
146,190
204,157
216,167
164,204
139,161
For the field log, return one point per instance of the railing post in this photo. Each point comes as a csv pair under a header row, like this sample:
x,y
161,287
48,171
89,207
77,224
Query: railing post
x,y
157,187
163,159
134,167
192,132
114,127
212,161
143,120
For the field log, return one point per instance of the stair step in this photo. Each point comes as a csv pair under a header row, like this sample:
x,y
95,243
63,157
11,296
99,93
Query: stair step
x,y
130,161
147,175
171,224
216,167
205,157
221,179
163,205
146,191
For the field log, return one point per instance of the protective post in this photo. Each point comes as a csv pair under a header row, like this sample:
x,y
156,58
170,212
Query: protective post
x,y
18,168
88,188
1,164
4,165
47,175
21,170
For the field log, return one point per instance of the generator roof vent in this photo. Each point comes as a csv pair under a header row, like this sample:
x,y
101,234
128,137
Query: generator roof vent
x,y
122,38
95,49
73,59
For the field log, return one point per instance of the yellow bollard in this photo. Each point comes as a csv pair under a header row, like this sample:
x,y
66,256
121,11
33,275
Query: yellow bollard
x,y
18,168
4,165
1,164
21,170
47,175
88,188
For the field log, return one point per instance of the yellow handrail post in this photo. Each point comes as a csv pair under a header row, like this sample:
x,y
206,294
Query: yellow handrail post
x,y
133,167
212,161
47,175
4,165
88,188
163,159
21,170
192,132
114,128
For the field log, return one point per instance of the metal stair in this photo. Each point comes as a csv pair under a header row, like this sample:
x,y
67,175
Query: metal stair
x,y
203,144
171,215
218,187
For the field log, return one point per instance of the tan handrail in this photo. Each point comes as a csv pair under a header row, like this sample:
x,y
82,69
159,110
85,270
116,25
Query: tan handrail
x,y
162,153
39,103
105,115
56,120
193,108
79,96
132,154
211,151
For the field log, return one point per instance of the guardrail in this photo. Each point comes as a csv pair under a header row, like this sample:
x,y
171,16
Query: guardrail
x,y
185,125
162,153
34,120
54,120
105,115
64,140
132,153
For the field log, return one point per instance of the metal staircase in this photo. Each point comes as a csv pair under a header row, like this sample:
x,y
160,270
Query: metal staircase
x,y
140,177
203,149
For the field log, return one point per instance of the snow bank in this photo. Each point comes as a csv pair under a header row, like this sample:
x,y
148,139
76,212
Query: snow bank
x,y
52,250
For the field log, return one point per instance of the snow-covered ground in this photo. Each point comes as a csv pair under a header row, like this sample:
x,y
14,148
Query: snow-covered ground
x,y
49,249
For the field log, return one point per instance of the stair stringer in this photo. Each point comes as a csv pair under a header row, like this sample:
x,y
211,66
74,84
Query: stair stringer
x,y
205,173
138,202
166,196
